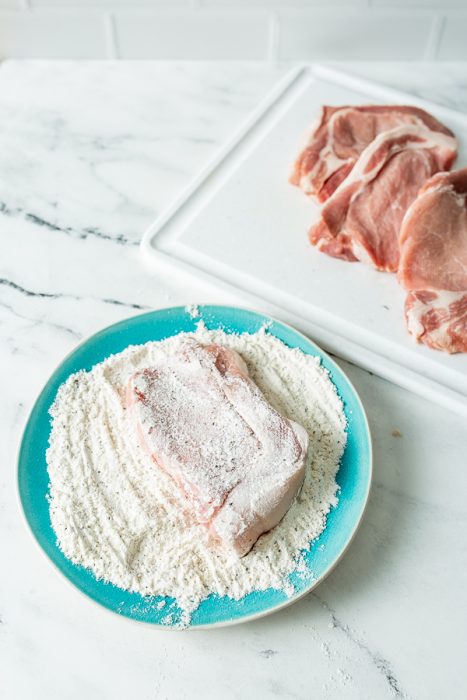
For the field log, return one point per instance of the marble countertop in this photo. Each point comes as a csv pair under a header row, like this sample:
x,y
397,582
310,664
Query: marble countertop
x,y
90,153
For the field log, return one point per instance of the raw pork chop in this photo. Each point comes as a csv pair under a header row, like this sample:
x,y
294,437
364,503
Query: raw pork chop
x,y
438,319
238,462
361,220
340,136
433,264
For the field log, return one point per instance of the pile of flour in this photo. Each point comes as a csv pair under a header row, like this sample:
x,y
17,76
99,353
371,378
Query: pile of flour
x,y
123,518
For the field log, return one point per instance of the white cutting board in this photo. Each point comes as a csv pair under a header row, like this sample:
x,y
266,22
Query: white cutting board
x,y
242,225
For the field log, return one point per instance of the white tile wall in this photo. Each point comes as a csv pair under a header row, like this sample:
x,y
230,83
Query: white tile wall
x,y
51,35
235,29
453,43
192,34
281,4
433,4
111,4
355,35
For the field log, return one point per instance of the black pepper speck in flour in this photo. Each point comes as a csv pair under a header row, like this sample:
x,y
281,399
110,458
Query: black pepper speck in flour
x,y
123,518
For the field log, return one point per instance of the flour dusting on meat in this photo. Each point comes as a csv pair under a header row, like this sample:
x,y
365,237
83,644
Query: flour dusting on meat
x,y
118,515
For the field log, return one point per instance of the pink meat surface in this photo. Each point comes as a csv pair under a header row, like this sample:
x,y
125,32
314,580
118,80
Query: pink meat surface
x,y
238,462
433,263
438,319
341,135
362,219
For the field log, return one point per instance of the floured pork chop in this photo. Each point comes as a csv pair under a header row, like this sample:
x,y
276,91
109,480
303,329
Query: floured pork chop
x,y
433,264
238,462
341,135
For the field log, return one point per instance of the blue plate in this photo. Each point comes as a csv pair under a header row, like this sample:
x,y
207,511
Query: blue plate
x,y
354,474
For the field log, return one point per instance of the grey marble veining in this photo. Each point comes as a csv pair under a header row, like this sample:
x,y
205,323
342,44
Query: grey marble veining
x,y
90,153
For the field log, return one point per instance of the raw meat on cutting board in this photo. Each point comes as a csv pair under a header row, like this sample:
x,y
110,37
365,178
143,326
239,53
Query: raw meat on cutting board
x,y
438,319
238,462
433,263
362,219
433,236
341,135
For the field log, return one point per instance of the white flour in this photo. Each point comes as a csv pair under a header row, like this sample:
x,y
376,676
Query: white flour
x,y
117,514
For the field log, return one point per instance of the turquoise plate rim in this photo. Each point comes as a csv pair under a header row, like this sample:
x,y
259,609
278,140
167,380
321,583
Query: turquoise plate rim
x,y
354,475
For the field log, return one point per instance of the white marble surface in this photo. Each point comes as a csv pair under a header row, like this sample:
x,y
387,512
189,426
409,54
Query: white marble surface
x,y
89,153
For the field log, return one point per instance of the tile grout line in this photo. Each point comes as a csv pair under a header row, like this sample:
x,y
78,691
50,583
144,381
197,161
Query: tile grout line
x,y
434,37
110,36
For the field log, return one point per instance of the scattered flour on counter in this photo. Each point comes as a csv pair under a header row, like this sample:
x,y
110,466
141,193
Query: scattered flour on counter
x,y
117,514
